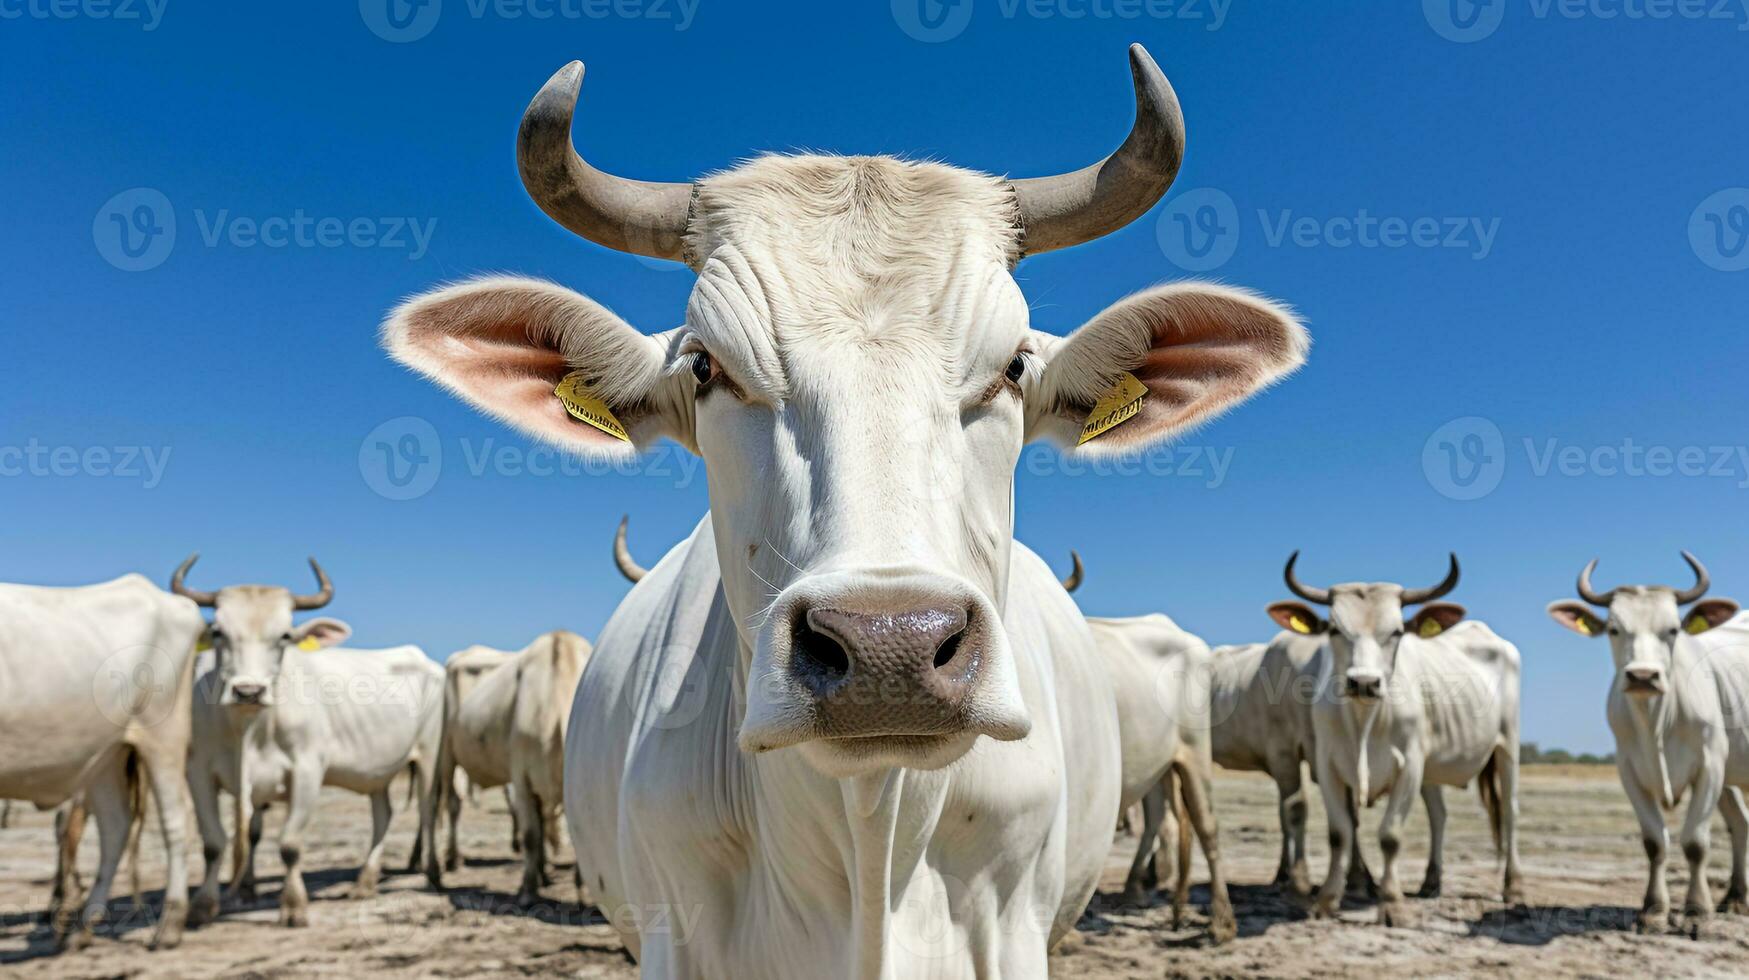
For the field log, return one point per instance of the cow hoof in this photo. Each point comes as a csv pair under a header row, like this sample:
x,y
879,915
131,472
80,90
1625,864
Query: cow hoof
x,y
1325,907
1693,922
1430,889
1223,927
434,878
451,863
1735,905
1133,897
294,918
204,909
1514,896
245,893
167,938
73,941
365,886
526,899
1652,922
1395,915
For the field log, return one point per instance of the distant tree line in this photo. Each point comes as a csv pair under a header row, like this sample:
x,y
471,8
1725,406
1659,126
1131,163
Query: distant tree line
x,y
1531,754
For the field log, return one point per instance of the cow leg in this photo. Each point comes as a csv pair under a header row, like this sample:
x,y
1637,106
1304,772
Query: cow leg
x,y
1655,910
443,785
1292,871
294,899
1506,798
426,790
210,822
1697,832
1434,799
1736,814
243,882
452,854
515,820
107,799
1359,883
1135,891
243,841
381,811
534,846
164,770
553,835
1393,911
1198,790
1340,816
69,829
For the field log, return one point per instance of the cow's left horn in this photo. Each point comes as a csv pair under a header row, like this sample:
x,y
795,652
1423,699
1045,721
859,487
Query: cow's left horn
x,y
622,555
1413,596
324,592
1702,581
207,599
1073,582
641,217
1068,209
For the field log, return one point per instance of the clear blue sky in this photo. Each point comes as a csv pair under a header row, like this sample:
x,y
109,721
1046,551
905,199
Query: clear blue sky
x,y
1573,309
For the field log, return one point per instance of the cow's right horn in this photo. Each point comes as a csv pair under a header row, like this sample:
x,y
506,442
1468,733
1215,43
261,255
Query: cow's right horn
x,y
622,555
1600,599
1076,572
207,599
324,591
1702,581
641,217
1306,592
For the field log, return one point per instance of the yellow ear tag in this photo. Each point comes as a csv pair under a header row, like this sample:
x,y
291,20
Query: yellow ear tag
x,y
574,392
309,644
1583,625
1300,625
1697,624
1430,628
1116,407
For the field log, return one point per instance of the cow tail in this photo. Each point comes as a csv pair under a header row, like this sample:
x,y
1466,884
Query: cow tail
x,y
1181,812
136,790
1488,785
412,785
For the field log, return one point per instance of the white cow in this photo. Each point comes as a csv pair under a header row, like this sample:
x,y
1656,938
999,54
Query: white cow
x,y
1161,675
94,692
1401,705
285,711
848,727
1679,708
462,672
509,730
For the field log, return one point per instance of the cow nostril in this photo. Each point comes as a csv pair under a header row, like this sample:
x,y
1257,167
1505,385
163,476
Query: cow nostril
x,y
949,649
818,657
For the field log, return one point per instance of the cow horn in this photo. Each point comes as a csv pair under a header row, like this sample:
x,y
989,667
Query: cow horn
x,y
1306,592
641,217
207,599
1068,209
1413,596
1702,581
1585,591
324,592
622,556
1076,573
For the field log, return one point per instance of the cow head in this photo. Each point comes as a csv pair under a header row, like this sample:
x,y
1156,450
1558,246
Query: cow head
x,y
1366,626
857,369
1644,623
252,635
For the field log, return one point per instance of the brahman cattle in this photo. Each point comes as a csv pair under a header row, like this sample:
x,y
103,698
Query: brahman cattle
x,y
848,727
461,674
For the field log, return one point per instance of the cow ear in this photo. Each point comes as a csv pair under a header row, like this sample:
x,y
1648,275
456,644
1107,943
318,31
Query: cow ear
x,y
1435,618
1577,617
503,344
1297,618
1190,351
320,633
1708,613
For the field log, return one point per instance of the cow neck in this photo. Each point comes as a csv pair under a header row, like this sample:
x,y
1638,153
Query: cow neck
x,y
891,816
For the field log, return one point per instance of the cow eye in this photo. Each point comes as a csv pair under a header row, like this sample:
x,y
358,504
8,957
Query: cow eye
x,y
286,638
1016,368
704,368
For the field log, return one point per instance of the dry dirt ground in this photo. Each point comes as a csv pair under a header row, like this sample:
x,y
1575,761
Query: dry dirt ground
x,y
1584,868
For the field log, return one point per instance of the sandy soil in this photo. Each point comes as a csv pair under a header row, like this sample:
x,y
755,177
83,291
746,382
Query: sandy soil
x,y
1583,863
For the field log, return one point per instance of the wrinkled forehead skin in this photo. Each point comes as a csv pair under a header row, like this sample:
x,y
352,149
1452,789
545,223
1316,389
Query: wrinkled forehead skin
x,y
1367,609
253,612
1645,609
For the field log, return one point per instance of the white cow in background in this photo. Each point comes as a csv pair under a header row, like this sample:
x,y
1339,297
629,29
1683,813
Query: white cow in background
x,y
461,673
1679,708
849,727
285,712
1400,705
95,688
509,730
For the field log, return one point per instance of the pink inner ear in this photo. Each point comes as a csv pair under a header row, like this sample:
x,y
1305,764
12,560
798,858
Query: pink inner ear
x,y
1208,351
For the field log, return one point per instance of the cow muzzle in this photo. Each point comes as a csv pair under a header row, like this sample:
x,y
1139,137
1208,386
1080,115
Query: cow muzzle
x,y
247,694
900,667
1643,681
1363,686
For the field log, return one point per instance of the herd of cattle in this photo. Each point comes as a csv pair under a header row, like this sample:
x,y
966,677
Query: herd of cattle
x,y
850,720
